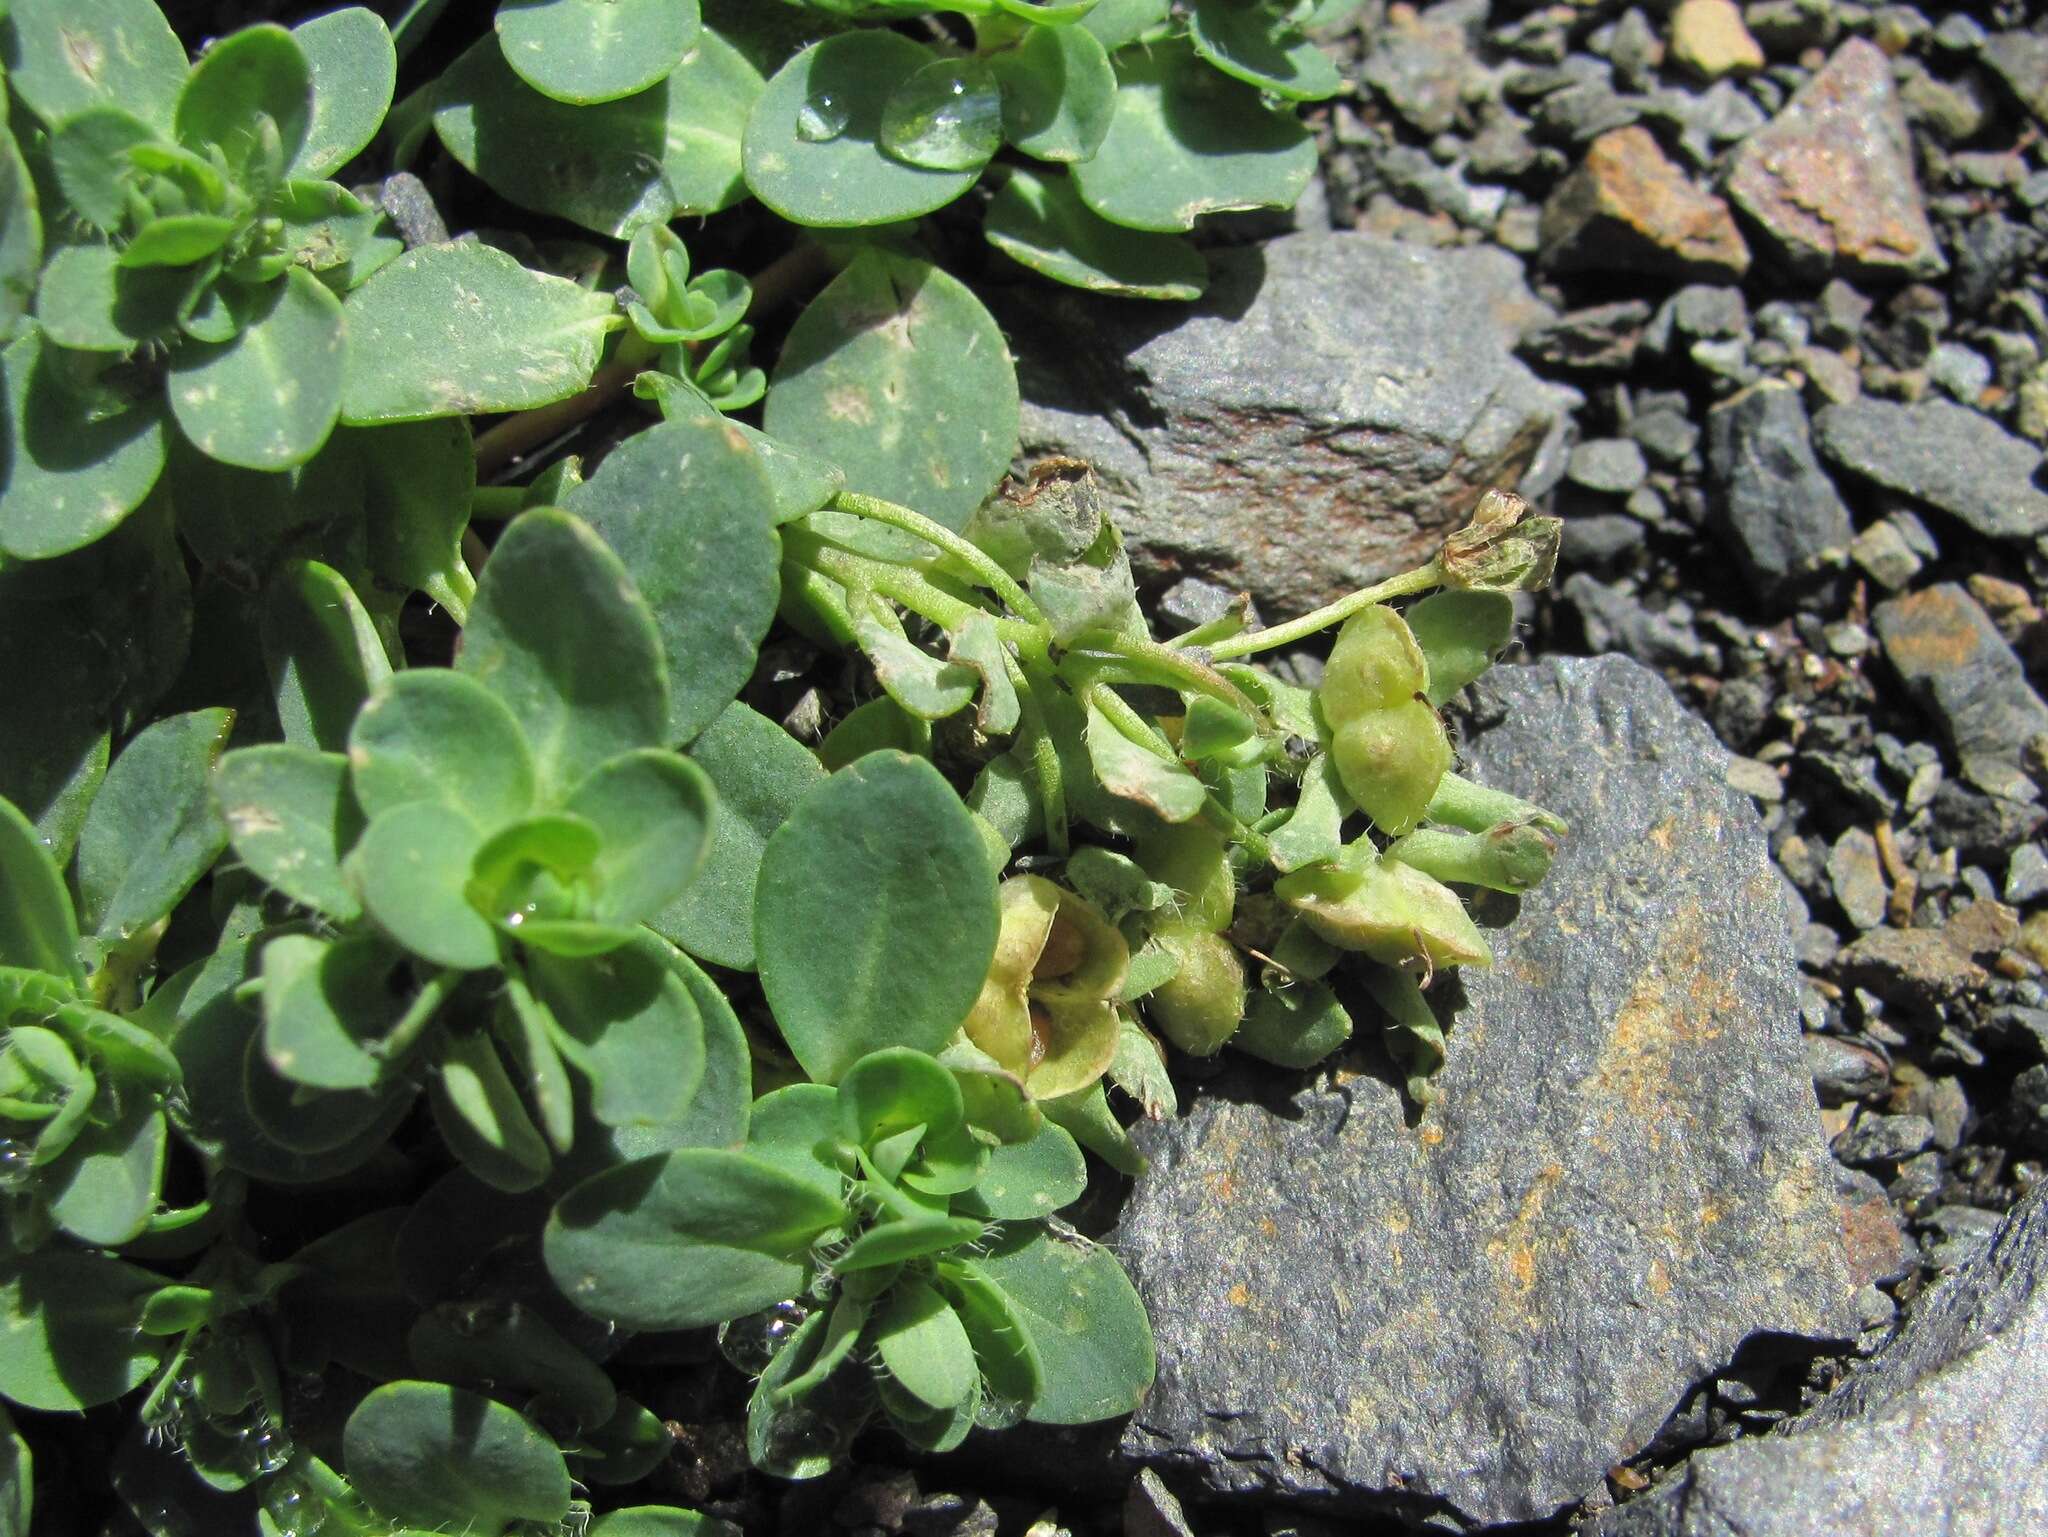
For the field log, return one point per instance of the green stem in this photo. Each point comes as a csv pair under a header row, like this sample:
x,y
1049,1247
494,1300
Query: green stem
x,y
969,554
1459,802
910,588
1135,728
1421,579
426,1003
1180,669
1045,755
1226,624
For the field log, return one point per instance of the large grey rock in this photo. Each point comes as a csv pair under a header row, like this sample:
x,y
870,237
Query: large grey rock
x,y
1332,408
1943,1433
1946,455
1474,1315
1777,511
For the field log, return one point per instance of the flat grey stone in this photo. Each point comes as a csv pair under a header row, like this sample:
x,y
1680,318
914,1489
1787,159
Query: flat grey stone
x,y
1942,1433
1332,408
1956,664
1775,508
1474,1315
1946,455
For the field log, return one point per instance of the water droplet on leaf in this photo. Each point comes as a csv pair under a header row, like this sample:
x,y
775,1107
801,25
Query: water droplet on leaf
x,y
821,119
947,116
750,1343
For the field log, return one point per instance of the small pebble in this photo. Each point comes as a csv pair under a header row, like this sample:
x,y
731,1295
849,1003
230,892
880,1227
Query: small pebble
x,y
1613,465
2026,873
1879,1139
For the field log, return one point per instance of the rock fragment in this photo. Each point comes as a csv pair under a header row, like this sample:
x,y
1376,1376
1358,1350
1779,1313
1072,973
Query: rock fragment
x,y
1830,180
1954,662
1777,511
1475,1314
1708,38
1628,208
1943,454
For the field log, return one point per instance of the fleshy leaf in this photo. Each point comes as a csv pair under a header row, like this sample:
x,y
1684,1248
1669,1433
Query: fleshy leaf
x,y
290,818
1258,45
411,869
1137,773
429,1455
64,59
248,76
1058,93
1460,632
418,478
898,375
268,399
354,69
628,1023
1042,223
923,1345
154,828
1085,1319
325,1004
71,473
560,635
589,51
459,329
322,652
68,1330
38,930
441,737
856,890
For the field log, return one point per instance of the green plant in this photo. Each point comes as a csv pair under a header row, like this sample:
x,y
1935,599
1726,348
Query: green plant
x,y
456,989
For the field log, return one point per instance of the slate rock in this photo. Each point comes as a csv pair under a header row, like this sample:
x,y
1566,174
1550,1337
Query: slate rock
x,y
1777,511
1857,875
1843,1070
1830,180
1956,664
1475,1315
1322,419
1917,969
1943,1430
1944,454
2020,60
1877,1139
1599,339
1613,465
1628,208
1422,67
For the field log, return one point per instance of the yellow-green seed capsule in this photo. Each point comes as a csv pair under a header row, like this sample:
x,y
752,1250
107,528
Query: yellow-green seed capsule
x,y
1387,910
1375,663
1201,1005
1391,762
1191,858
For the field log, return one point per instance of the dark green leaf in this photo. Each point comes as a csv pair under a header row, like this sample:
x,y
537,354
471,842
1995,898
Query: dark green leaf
x,y
813,151
63,59
1295,1026
68,1330
246,77
512,1350
1085,1319
104,1189
17,1481
1117,22
894,1090
690,509
880,725
443,738
897,374
326,1005
1184,143
588,51
1032,1179
1460,633
923,1345
1042,223
685,1240
289,817
1058,93
759,772
268,399
921,683
458,329
479,1112
38,930
653,812
411,869
857,888
628,1024
1125,769
559,633
1009,1362
1261,47
21,254
354,69
323,654
176,240
154,828
71,473
797,1129
526,1029
429,1455
418,479
89,157
660,1521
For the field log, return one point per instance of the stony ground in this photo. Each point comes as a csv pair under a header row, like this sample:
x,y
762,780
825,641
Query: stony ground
x,y
1752,295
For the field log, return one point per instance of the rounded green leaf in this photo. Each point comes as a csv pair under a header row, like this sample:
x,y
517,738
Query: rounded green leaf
x,y
90,299
69,1330
290,818
65,58
1042,223
895,1090
418,478
897,374
480,1115
587,51
1185,141
1032,1179
629,1024
1460,632
354,69
875,919
311,1123
689,507
813,141
411,869
1009,1362
268,399
177,239
660,1521
459,329
71,474
759,773
617,167
21,254
322,651
652,811
1085,1319
89,156
559,633
105,1188
443,738
692,1238
430,1456
797,1129
1259,46
533,879
1117,22
924,1346
38,930
154,828
325,1005
246,77
1059,92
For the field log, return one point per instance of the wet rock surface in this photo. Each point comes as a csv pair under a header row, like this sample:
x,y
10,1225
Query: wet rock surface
x,y
1944,1430
1332,408
1479,1312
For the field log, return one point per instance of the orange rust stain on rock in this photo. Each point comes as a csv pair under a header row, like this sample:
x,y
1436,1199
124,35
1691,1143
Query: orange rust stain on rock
x,y
1268,1228
1239,1296
1431,1135
1931,632
1671,1009
1515,1251
1223,1186
1660,1279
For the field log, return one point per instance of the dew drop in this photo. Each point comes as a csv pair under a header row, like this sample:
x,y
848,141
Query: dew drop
x,y
16,1162
947,116
750,1343
799,1444
998,1413
821,119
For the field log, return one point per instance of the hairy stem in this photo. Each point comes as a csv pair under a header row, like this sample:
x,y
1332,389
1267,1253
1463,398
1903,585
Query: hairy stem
x,y
1421,579
977,560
